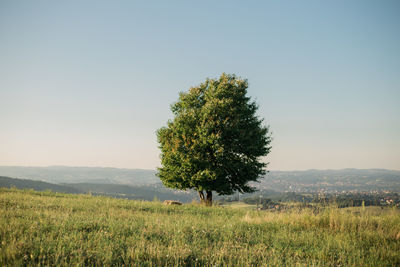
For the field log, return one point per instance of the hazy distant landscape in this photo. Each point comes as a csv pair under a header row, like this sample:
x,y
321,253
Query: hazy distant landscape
x,y
282,181
145,185
333,180
62,174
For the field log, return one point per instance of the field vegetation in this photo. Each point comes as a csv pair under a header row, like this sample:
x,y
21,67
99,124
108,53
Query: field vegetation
x,y
46,228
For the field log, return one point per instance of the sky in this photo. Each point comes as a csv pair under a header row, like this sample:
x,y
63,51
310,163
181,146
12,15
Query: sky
x,y
88,83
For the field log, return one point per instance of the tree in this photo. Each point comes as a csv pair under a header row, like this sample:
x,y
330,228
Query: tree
x,y
215,141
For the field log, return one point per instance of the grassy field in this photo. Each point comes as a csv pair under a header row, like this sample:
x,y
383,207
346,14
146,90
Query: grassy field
x,y
44,228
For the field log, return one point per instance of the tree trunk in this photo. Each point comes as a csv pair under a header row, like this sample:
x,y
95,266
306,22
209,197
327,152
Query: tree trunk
x,y
202,198
205,199
209,198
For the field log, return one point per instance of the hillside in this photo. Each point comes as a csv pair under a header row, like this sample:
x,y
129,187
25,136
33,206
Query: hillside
x,y
37,185
63,174
141,192
44,228
332,180
281,181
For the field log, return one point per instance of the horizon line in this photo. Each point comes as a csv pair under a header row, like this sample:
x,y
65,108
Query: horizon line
x,y
102,167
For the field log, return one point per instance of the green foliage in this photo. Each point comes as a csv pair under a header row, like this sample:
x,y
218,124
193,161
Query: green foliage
x,y
215,141
45,228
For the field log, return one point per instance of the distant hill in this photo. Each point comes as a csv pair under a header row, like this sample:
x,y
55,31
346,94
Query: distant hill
x,y
332,180
36,185
281,181
62,174
143,184
143,192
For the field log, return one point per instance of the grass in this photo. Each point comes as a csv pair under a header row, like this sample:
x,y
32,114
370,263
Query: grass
x,y
45,228
240,205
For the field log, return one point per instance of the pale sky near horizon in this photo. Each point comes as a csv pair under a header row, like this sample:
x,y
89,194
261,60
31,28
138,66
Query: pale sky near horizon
x,y
87,83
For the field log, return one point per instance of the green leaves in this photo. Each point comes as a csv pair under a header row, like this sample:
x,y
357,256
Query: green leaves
x,y
215,140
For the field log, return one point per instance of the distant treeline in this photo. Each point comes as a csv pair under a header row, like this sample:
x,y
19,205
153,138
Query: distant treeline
x,y
158,191
140,192
339,200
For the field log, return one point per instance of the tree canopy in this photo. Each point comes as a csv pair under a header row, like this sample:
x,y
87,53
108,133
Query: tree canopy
x,y
215,141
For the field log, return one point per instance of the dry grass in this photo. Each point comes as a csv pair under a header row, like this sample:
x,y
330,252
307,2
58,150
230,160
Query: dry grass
x,y
59,229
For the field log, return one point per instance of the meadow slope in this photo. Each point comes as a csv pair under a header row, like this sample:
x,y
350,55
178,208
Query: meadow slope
x,y
45,228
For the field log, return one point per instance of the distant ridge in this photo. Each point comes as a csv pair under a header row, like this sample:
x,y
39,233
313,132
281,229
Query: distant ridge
x,y
65,174
36,185
313,180
343,180
143,192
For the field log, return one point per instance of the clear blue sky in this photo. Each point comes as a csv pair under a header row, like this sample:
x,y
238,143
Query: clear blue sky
x,y
87,83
